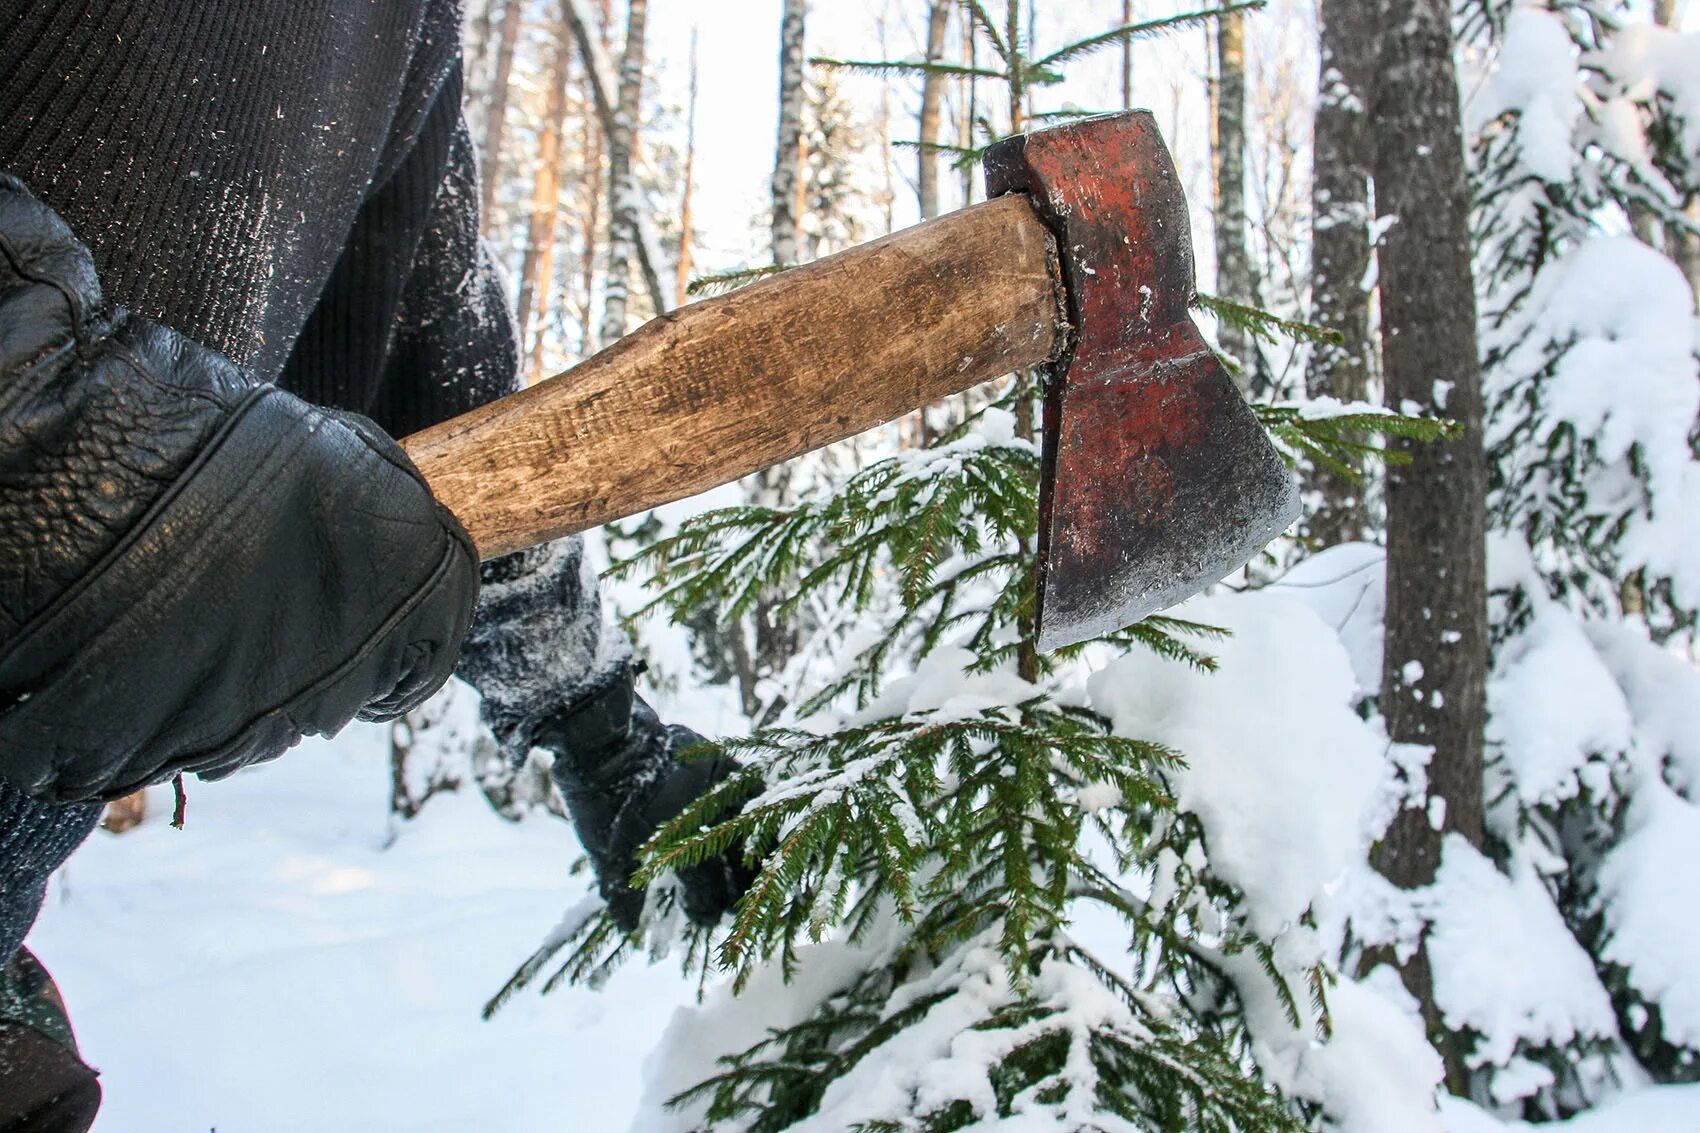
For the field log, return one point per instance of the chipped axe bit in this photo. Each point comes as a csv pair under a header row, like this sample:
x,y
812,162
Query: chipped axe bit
x,y
1157,480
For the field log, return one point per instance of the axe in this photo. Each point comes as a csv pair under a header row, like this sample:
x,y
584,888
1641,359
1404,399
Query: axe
x,y
1156,479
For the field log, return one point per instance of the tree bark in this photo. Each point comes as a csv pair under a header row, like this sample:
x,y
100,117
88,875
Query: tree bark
x,y
787,158
1436,650
932,102
538,267
1342,151
496,111
622,182
1233,262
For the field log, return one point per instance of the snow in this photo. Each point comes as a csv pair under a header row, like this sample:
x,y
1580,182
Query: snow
x,y
1657,1109
1642,59
1347,587
1664,694
1535,79
1651,897
1279,768
1505,966
1377,1069
274,967
1553,705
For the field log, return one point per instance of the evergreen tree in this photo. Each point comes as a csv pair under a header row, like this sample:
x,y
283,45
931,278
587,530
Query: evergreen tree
x,y
1594,500
933,821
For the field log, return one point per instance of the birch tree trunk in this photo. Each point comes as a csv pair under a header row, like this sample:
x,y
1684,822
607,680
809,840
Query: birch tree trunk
x,y
787,158
1233,262
622,182
537,270
1342,152
932,102
1436,648
772,643
496,110
605,98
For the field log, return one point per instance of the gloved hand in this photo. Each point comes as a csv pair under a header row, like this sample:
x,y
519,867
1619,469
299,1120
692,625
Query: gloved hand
x,y
618,769
196,569
553,676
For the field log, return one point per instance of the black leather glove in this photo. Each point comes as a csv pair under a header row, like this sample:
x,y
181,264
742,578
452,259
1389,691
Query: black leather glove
x,y
618,769
196,569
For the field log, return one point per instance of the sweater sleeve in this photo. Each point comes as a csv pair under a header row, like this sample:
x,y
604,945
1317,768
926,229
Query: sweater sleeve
x,y
540,645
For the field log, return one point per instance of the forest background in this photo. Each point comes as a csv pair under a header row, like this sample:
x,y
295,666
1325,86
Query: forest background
x,y
1532,960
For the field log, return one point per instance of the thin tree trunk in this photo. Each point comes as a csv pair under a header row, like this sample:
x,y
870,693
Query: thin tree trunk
x,y
590,230
1233,263
775,642
622,182
683,275
787,158
1682,246
479,41
970,106
1687,250
932,99
1436,648
1342,153
538,267
1127,58
927,171
605,97
496,111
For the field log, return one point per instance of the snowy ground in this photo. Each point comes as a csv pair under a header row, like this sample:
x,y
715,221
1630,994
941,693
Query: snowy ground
x,y
273,967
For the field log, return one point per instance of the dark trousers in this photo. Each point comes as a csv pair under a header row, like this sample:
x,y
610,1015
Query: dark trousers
x,y
45,1087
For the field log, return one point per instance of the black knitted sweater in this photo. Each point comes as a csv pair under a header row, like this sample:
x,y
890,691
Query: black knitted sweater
x,y
288,182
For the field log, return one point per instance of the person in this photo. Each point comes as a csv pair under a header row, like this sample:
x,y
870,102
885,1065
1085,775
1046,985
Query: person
x,y
238,255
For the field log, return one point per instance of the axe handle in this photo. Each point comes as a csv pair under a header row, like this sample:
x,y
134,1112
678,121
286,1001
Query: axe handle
x,y
718,389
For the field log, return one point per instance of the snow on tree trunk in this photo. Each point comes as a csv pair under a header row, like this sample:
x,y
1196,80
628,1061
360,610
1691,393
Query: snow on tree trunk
x,y
1233,262
623,189
496,112
788,155
1435,657
1340,245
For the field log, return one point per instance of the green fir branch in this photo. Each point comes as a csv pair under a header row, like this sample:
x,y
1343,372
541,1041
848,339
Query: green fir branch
x,y
905,67
1263,325
1343,441
982,19
1146,29
720,283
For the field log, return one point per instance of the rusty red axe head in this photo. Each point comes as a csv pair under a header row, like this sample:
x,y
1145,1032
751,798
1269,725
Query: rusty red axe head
x,y
1157,480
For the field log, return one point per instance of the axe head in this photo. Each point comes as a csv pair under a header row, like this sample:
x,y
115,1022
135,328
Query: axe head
x,y
1157,480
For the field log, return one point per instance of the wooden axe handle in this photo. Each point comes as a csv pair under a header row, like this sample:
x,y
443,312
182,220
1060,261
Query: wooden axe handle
x,y
719,389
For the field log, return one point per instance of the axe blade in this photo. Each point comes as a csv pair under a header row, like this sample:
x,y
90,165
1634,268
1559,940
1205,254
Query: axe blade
x,y
1157,479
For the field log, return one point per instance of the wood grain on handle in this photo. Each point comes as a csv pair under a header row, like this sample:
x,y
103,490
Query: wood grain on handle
x,y
718,389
